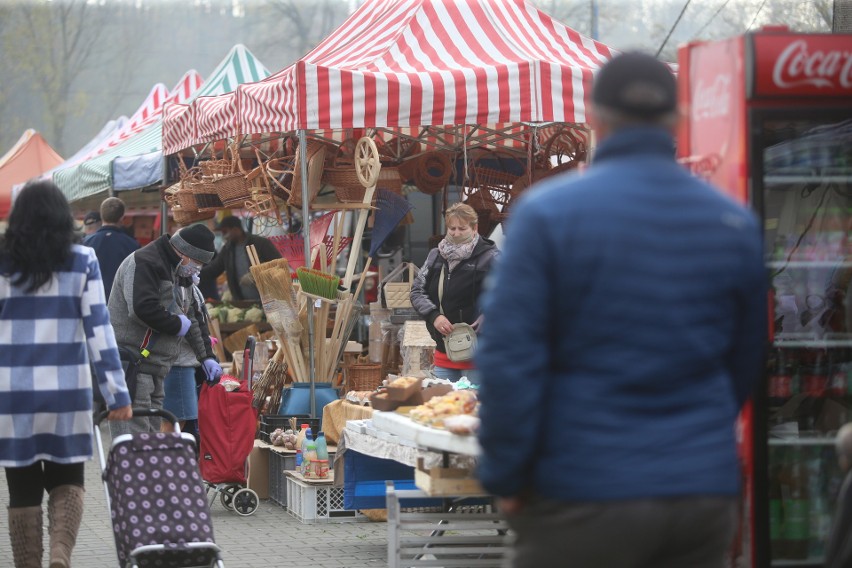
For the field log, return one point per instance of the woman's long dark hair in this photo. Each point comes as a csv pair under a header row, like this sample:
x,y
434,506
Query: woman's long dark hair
x,y
38,239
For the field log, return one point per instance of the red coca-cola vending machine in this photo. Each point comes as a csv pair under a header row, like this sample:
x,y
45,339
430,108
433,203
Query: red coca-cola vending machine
x,y
768,118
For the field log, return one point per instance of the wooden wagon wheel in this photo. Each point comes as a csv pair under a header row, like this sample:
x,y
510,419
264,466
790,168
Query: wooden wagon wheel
x,y
565,146
367,165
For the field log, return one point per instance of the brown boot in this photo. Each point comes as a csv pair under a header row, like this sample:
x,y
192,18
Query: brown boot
x,y
64,513
25,532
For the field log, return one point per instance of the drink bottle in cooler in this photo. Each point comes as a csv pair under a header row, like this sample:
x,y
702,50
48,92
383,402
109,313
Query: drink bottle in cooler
x,y
776,512
794,496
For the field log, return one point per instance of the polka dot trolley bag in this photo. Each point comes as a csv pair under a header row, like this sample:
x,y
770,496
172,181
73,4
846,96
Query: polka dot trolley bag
x,y
157,499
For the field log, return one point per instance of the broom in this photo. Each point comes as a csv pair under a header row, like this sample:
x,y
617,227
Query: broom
x,y
269,385
274,283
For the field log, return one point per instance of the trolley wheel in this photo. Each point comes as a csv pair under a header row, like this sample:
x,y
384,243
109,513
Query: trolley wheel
x,y
226,496
245,502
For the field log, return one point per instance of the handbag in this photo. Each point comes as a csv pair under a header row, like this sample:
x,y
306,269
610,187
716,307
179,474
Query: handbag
x,y
397,294
130,362
460,343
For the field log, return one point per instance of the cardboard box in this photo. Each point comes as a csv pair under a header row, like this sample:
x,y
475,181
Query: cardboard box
x,y
446,481
258,471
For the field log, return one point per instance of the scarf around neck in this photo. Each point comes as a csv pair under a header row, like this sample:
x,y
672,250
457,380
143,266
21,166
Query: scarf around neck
x,y
454,253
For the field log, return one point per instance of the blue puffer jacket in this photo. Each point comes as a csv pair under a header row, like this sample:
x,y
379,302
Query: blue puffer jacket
x,y
624,331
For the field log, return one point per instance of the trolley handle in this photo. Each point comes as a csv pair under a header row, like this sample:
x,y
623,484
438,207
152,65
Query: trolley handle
x,y
141,412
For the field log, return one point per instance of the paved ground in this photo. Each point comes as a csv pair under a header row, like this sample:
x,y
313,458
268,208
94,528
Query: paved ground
x,y
270,537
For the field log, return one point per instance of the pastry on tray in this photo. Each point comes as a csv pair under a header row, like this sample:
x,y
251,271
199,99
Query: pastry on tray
x,y
437,409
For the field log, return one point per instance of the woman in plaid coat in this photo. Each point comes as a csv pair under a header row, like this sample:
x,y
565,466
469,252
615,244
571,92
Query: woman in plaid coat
x,y
53,322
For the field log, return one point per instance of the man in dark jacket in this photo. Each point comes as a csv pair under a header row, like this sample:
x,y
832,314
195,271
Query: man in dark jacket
x,y
154,304
626,328
111,243
233,259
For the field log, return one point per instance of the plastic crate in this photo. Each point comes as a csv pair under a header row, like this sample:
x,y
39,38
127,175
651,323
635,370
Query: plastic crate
x,y
278,464
270,422
318,503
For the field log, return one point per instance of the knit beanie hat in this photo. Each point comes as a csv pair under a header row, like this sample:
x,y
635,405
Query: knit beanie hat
x,y
196,242
636,84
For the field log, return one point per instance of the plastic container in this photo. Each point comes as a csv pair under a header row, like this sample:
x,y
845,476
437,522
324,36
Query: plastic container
x,y
306,436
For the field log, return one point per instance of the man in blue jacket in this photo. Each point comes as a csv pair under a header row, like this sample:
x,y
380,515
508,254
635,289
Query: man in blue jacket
x,y
624,329
111,243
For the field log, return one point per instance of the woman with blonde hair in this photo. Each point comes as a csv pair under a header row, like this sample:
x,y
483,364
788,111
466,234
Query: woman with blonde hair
x,y
55,321
447,289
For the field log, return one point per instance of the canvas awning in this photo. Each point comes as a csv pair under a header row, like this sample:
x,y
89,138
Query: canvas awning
x,y
94,176
30,156
414,63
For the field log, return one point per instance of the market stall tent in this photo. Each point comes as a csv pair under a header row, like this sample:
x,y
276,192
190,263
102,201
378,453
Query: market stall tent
x,y
394,64
132,169
30,156
90,177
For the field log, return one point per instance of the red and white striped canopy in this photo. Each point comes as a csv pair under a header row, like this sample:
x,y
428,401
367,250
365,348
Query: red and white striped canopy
x,y
151,110
411,63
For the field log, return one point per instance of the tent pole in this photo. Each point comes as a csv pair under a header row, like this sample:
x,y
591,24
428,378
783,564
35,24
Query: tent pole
x,y
306,236
164,210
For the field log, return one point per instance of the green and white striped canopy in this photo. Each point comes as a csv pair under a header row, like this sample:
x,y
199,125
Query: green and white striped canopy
x,y
93,176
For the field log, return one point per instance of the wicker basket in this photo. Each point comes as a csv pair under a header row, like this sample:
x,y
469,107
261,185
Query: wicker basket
x,y
287,182
187,217
233,189
486,209
364,377
498,183
343,177
432,172
211,168
205,195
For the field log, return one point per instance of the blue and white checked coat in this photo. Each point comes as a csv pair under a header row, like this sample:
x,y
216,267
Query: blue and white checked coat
x,y
47,339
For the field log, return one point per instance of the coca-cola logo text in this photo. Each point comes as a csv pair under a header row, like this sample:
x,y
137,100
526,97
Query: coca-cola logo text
x,y
714,100
796,66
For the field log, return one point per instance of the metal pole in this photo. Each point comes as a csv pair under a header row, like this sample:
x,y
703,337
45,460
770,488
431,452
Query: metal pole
x,y
594,15
164,210
306,235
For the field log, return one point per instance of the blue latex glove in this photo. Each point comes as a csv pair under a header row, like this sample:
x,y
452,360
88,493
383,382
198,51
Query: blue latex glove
x,y
184,325
212,370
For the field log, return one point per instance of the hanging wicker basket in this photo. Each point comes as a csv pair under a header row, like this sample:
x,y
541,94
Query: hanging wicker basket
x,y
286,176
432,171
187,217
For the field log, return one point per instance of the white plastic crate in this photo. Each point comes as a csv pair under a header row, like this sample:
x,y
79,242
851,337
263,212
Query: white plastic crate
x,y
317,503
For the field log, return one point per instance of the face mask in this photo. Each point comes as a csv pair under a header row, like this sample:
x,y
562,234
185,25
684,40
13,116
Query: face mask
x,y
461,239
189,270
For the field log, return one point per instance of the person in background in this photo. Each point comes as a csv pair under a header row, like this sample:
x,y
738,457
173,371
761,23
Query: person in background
x,y
626,324
55,323
91,222
111,243
154,306
233,258
462,259
838,552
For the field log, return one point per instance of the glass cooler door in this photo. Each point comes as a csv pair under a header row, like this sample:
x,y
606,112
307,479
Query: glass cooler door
x,y
803,178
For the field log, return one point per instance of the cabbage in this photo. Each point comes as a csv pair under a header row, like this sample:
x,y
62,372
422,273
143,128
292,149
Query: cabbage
x,y
254,314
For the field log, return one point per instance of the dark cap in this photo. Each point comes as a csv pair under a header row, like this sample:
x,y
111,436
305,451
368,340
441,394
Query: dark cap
x,y
196,242
230,222
91,218
637,85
